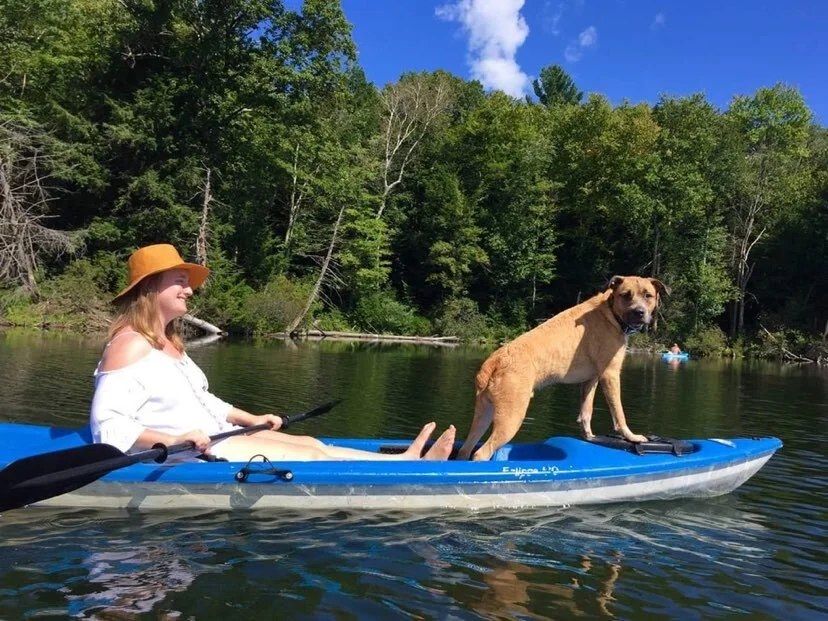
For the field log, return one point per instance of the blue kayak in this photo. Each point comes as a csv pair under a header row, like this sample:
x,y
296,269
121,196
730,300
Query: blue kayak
x,y
667,356
559,471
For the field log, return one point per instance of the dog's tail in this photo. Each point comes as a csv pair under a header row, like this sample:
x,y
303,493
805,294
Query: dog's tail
x,y
481,380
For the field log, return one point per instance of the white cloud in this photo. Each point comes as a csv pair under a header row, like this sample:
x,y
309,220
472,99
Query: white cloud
x,y
588,37
572,53
575,50
552,18
496,30
658,21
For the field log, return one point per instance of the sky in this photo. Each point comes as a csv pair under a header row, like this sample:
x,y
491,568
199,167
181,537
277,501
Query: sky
x,y
634,50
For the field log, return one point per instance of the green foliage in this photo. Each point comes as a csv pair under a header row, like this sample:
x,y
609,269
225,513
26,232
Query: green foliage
x,y
273,307
555,87
508,211
78,299
225,300
708,341
380,312
460,317
364,252
333,320
646,341
780,344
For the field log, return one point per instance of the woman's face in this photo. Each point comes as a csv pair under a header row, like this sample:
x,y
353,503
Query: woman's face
x,y
173,291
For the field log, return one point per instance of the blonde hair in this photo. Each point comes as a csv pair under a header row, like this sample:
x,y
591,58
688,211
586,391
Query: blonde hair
x,y
138,309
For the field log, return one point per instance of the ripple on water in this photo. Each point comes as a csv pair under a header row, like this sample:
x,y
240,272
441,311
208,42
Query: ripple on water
x,y
756,553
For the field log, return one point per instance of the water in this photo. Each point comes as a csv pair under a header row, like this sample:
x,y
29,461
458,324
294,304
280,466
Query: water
x,y
758,553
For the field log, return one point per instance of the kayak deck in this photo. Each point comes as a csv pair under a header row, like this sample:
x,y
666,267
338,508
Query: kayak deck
x,y
556,472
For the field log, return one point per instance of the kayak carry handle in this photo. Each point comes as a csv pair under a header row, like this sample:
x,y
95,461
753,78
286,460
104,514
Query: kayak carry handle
x,y
267,468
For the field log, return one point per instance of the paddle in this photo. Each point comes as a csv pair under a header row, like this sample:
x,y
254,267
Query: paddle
x,y
39,477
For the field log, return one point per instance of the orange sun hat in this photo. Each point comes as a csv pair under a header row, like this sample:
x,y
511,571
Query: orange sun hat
x,y
159,258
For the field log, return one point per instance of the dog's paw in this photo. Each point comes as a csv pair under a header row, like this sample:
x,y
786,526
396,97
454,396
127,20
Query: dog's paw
x,y
635,437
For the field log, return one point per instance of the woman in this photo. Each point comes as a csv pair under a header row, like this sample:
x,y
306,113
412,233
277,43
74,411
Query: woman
x,y
148,391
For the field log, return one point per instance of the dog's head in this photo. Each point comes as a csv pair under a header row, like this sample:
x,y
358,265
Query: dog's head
x,y
635,299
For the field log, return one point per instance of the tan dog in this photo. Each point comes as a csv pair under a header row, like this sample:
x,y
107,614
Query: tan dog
x,y
583,345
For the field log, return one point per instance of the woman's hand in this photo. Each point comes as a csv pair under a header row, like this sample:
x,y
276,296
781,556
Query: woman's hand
x,y
246,419
274,421
197,437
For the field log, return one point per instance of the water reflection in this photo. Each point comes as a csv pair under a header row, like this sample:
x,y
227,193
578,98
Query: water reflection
x,y
125,584
674,364
518,589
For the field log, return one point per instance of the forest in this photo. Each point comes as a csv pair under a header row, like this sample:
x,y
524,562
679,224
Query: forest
x,y
247,135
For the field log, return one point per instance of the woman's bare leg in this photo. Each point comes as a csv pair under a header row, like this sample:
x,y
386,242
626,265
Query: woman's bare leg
x,y
287,437
242,448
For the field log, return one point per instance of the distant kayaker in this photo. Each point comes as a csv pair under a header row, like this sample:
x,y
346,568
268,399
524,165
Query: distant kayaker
x,y
675,349
148,391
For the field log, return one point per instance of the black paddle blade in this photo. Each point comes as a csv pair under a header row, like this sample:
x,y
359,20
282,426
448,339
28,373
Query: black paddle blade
x,y
38,477
317,411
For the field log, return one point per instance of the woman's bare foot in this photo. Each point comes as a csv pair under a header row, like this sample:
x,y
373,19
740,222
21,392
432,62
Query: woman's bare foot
x,y
441,449
415,450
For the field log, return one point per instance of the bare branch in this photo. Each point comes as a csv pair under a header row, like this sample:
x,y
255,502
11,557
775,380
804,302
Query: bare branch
x,y
411,106
201,242
322,274
24,197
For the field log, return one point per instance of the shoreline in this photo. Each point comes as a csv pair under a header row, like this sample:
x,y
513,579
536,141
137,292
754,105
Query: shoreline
x,y
202,338
200,332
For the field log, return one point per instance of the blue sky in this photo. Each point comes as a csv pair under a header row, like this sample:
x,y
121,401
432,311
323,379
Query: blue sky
x,y
625,49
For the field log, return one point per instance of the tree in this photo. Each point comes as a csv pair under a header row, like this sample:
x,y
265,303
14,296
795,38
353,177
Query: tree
x,y
503,167
555,87
410,107
772,129
25,167
600,161
690,241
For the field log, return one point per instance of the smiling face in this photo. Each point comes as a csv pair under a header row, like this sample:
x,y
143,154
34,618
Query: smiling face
x,y
173,290
635,299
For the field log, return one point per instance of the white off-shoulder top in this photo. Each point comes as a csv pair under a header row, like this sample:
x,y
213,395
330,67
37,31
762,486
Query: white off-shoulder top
x,y
156,392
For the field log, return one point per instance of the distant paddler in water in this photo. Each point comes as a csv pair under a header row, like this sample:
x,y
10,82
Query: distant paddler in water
x,y
148,391
674,355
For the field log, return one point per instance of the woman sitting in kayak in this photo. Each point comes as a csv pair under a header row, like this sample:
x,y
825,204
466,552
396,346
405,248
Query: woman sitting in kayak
x,y
148,391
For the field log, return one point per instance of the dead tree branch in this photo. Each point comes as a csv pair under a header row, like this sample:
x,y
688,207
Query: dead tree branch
x,y
201,242
24,201
322,273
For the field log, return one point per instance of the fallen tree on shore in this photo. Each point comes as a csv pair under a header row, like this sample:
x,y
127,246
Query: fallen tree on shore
x,y
367,336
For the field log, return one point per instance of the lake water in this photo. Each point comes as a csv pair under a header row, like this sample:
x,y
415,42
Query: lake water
x,y
758,553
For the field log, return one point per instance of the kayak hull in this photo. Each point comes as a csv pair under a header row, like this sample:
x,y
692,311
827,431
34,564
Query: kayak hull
x,y
153,496
558,472
667,356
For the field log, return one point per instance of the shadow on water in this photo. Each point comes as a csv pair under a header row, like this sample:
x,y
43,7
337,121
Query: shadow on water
x,y
755,553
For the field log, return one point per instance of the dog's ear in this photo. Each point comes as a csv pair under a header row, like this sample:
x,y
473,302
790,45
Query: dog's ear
x,y
660,286
614,282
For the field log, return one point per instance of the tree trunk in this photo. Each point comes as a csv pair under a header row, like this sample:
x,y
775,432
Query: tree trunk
x,y
315,293
656,267
203,325
201,242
